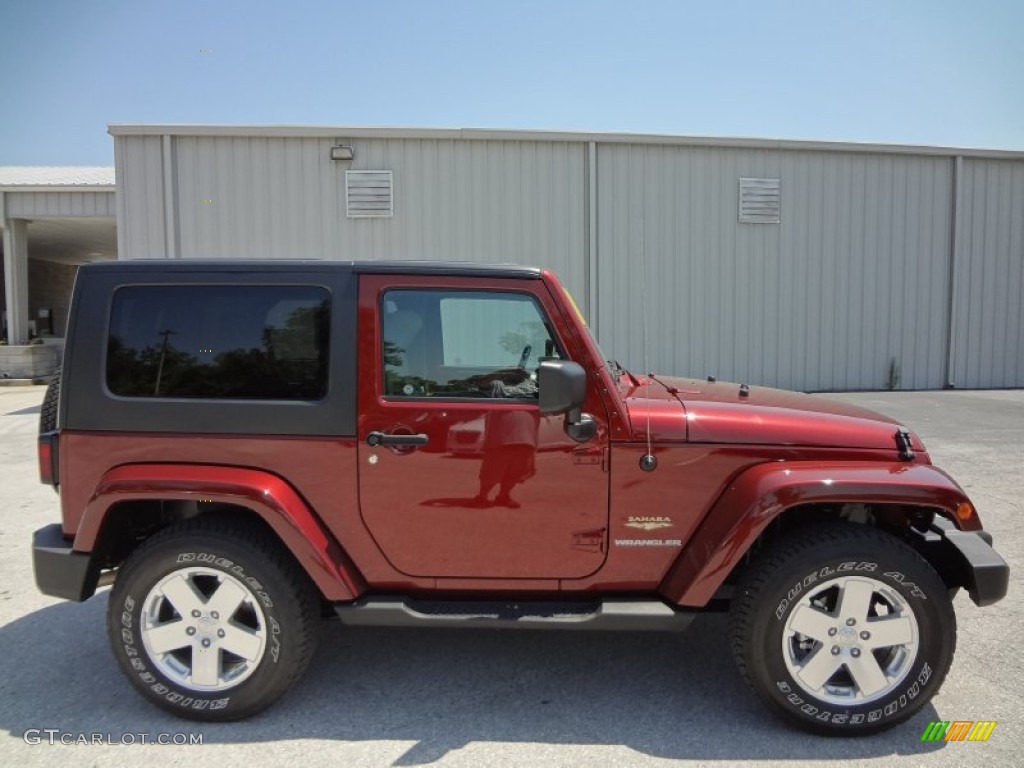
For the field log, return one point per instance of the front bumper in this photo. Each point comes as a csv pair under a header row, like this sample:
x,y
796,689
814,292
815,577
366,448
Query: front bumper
x,y
966,559
60,571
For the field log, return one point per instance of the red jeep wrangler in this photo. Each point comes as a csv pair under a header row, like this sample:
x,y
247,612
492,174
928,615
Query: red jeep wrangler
x,y
244,447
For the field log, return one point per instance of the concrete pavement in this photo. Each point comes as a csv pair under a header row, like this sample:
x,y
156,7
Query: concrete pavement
x,y
376,697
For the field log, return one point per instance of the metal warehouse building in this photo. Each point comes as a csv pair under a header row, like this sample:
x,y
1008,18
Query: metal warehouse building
x,y
60,217
807,265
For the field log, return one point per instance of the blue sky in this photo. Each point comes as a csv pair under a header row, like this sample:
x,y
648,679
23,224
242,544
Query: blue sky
x,y
913,72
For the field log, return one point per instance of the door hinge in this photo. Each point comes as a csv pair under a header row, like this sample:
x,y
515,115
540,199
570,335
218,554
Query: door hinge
x,y
584,457
590,541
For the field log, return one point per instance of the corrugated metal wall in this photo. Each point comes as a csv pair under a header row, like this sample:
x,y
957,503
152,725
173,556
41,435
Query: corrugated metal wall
x,y
138,165
493,201
857,277
988,331
854,277
59,204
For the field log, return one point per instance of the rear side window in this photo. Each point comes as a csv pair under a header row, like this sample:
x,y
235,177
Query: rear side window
x,y
255,342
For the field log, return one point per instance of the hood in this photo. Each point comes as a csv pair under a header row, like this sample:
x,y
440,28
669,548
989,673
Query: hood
x,y
717,412
657,405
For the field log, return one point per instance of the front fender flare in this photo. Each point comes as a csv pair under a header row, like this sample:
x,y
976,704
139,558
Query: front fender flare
x,y
760,494
269,496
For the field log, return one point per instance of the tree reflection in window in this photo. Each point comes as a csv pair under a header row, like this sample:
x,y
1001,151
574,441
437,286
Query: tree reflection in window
x,y
219,342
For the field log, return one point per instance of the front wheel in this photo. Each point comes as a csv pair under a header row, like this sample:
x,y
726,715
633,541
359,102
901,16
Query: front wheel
x,y
212,620
843,629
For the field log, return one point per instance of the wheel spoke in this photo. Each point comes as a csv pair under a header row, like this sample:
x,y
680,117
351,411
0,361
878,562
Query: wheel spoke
x,y
894,630
867,674
226,599
183,595
167,637
205,665
241,642
810,622
819,668
855,599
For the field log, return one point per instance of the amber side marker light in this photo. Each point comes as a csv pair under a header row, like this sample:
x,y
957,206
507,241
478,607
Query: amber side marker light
x,y
964,510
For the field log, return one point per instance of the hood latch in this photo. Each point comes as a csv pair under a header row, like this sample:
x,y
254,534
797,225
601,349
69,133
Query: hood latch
x,y
904,445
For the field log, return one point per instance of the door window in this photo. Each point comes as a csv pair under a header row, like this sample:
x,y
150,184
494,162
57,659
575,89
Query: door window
x,y
463,344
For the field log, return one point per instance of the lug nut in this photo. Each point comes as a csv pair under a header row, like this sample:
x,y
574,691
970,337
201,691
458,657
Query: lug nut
x,y
190,631
220,633
195,613
835,650
832,631
206,642
865,635
855,652
214,615
850,622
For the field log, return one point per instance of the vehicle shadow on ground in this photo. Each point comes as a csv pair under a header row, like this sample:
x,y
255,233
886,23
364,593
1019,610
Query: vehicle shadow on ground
x,y
664,695
25,411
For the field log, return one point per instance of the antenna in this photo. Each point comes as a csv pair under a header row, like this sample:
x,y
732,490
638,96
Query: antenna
x,y
648,462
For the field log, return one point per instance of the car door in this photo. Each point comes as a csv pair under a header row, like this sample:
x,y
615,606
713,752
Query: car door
x,y
459,473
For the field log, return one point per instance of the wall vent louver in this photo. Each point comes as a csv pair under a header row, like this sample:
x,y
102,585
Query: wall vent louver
x,y
369,194
760,201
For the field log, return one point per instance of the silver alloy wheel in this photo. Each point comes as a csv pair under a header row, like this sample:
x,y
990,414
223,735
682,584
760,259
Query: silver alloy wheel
x,y
204,629
850,640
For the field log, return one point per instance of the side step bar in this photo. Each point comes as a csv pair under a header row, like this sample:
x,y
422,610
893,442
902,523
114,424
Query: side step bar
x,y
523,614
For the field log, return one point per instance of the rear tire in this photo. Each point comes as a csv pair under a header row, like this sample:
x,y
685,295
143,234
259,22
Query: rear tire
x,y
212,620
51,400
843,629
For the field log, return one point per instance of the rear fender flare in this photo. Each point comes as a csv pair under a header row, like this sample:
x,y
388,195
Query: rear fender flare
x,y
760,494
269,496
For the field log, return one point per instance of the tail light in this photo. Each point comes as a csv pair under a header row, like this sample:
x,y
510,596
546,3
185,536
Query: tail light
x,y
49,464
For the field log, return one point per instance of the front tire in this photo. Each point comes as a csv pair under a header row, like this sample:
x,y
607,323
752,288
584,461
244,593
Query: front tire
x,y
843,629
211,620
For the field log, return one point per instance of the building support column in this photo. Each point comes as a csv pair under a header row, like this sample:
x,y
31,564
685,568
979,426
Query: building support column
x,y
16,279
590,235
952,299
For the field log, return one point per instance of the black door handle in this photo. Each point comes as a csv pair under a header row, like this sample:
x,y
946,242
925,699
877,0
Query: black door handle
x,y
380,438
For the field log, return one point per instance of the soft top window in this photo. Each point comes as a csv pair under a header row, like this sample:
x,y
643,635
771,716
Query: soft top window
x,y
266,342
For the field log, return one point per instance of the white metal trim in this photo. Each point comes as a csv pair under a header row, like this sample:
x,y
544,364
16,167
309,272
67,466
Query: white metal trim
x,y
592,243
104,188
484,134
954,266
170,241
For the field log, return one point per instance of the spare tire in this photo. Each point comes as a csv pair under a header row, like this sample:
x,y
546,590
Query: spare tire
x,y
48,413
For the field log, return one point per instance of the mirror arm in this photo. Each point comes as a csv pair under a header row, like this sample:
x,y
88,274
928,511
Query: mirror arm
x,y
580,427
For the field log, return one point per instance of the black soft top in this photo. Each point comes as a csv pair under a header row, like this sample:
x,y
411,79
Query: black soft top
x,y
86,404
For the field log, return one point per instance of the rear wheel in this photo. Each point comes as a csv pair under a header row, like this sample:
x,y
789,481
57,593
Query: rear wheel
x,y
843,629
212,621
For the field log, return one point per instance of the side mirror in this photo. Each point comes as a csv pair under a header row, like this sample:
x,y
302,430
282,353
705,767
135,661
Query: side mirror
x,y
561,385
